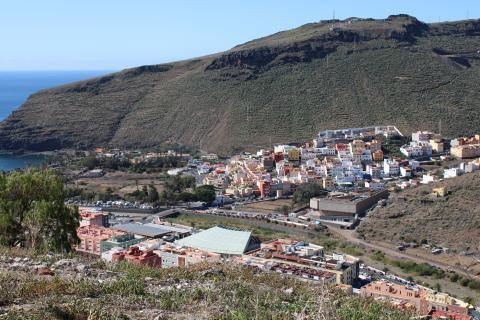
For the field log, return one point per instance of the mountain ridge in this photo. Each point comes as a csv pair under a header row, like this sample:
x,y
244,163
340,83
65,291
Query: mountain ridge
x,y
280,88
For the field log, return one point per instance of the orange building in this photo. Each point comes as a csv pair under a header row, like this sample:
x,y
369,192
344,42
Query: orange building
x,y
466,151
423,300
392,291
377,155
92,218
136,256
451,316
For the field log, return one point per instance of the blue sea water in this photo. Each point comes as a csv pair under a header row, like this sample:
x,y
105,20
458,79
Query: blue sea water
x,y
16,86
12,161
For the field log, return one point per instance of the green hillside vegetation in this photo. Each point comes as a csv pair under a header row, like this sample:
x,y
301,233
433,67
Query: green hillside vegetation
x,y
281,88
416,215
33,213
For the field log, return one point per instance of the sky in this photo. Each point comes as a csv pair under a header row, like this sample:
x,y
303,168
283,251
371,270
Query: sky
x,y
116,34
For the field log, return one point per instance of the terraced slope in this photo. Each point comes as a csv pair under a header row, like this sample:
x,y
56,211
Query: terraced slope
x,y
281,88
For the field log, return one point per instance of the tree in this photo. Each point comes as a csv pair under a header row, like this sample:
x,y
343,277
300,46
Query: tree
x,y
33,213
188,182
167,197
283,210
186,197
90,162
306,191
206,194
152,194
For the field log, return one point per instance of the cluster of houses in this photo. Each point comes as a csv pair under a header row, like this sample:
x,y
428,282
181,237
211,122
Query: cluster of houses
x,y
162,244
166,245
423,301
339,160
336,159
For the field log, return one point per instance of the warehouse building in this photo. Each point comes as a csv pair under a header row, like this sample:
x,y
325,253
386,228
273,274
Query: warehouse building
x,y
222,240
344,210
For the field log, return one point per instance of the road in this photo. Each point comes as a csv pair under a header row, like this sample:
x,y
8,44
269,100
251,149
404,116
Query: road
x,y
349,236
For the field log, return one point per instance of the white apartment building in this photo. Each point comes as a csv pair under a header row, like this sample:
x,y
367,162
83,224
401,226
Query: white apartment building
x,y
422,136
452,173
391,167
325,151
417,149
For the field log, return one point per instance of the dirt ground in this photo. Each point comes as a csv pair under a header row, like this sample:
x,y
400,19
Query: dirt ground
x,y
120,182
266,206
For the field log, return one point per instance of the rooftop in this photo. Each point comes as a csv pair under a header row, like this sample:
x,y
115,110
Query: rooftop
x,y
149,229
219,239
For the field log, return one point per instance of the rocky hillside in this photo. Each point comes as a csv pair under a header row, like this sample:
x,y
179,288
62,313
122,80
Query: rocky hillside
x,y
415,215
280,88
56,287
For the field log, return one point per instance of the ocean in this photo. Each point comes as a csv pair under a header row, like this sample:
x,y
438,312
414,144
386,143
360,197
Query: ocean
x,y
16,86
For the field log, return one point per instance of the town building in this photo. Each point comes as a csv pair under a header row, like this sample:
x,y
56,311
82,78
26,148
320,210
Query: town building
x,y
420,136
153,230
395,292
374,146
305,260
135,255
424,300
91,238
377,155
92,217
344,209
405,172
438,145
452,173
391,167
222,240
176,256
417,149
466,151
124,241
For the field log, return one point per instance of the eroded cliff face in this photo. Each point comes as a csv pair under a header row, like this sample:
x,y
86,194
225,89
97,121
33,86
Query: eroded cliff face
x,y
280,88
260,58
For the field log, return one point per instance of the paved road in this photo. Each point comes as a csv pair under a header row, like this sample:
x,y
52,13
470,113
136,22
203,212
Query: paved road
x,y
349,235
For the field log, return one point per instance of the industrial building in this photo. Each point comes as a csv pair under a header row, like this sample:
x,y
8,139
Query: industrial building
x,y
222,240
153,230
344,209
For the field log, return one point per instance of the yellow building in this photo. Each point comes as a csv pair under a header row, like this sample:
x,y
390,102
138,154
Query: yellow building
x,y
439,192
293,154
377,155
466,151
437,145
357,146
327,183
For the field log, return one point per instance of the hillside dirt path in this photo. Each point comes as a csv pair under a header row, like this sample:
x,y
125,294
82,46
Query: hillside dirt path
x,y
349,236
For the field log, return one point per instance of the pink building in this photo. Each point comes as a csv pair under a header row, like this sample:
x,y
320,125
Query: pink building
x,y
90,237
425,301
393,292
136,256
450,316
89,217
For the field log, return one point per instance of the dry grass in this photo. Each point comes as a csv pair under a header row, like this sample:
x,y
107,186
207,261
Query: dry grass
x,y
206,292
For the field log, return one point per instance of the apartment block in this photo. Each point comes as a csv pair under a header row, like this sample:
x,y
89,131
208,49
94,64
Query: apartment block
x,y
175,256
466,151
91,238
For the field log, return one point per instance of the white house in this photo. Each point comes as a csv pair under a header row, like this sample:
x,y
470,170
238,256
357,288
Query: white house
x,y
452,173
391,167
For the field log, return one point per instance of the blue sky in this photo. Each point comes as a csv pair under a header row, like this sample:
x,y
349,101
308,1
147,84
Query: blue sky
x,y
115,34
